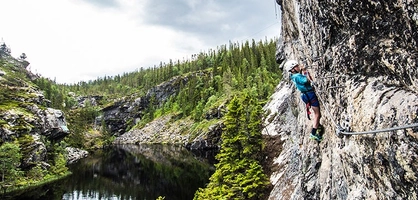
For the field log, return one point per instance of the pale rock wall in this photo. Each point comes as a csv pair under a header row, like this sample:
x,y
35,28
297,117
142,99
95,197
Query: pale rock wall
x,y
363,56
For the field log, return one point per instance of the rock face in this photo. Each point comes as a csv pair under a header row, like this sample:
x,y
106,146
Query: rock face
x,y
167,130
121,114
158,131
208,140
363,56
124,113
32,119
23,113
74,154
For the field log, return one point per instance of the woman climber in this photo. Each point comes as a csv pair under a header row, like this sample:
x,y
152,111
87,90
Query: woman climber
x,y
303,81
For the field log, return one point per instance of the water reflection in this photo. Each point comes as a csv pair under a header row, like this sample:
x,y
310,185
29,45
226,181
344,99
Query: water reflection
x,y
134,172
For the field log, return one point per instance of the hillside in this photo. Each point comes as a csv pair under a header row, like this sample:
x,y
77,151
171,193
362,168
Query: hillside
x,y
23,107
363,56
30,129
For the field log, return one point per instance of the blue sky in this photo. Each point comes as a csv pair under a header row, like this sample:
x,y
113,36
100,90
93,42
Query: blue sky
x,y
81,40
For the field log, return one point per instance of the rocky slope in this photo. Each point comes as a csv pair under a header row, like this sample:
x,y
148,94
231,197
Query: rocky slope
x,y
363,55
124,113
24,112
167,130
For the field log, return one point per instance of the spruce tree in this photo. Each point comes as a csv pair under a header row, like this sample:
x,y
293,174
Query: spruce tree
x,y
238,174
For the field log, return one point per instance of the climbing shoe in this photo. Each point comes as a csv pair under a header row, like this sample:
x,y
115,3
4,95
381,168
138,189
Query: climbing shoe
x,y
316,137
319,130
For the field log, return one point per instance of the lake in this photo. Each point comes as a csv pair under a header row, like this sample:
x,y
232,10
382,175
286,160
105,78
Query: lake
x,y
131,172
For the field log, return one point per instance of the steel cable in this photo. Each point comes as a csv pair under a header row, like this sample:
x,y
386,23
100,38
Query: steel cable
x,y
340,130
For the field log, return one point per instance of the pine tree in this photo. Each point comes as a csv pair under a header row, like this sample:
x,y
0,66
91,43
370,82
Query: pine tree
x,y
238,174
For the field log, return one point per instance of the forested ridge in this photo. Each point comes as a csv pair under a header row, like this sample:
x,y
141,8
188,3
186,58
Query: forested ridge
x,y
214,77
243,76
246,64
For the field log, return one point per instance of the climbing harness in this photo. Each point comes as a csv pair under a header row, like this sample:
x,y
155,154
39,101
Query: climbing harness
x,y
341,131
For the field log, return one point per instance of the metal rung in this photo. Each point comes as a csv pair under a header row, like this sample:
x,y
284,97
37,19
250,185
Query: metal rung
x,y
335,87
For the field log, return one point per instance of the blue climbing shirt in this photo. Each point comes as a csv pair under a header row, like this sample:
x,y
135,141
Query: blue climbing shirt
x,y
301,82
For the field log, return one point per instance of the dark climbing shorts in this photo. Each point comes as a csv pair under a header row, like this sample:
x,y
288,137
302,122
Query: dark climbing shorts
x,y
311,98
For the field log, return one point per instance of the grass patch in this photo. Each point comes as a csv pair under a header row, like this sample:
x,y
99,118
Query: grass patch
x,y
198,128
33,184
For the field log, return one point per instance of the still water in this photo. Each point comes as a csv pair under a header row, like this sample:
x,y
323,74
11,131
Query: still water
x,y
131,172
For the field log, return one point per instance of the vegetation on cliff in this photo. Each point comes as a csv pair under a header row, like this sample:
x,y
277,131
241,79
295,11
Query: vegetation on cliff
x,y
27,157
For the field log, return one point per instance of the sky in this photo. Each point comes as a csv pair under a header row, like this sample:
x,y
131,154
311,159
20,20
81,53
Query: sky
x,y
80,40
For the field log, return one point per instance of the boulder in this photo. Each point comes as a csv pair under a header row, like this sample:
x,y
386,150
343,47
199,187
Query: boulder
x,y
55,126
75,154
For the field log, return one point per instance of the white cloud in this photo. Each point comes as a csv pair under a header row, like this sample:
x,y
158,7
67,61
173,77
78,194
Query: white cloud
x,y
73,40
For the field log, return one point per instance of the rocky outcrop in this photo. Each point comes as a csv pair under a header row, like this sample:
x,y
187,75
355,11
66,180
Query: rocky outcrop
x,y
34,123
75,154
121,114
363,56
37,153
158,131
33,120
160,93
24,114
55,126
83,101
166,130
207,140
124,113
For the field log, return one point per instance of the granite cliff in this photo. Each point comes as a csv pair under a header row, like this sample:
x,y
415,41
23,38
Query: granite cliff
x,y
363,56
